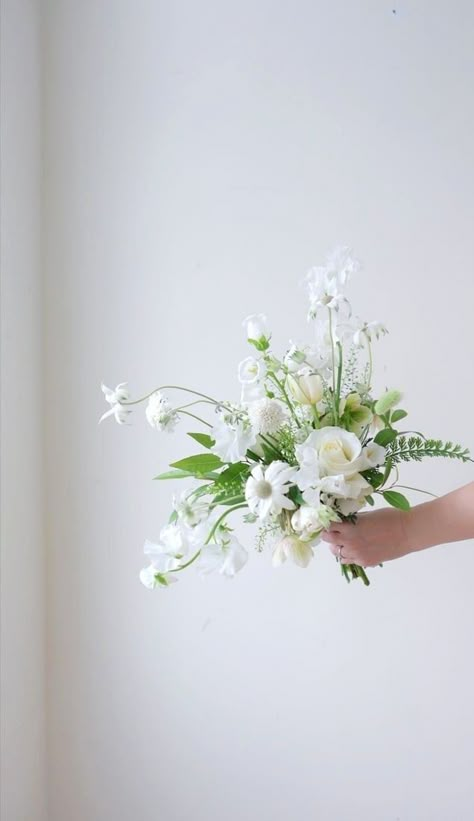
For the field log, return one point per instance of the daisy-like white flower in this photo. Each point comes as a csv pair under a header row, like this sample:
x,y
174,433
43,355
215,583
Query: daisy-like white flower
x,y
369,330
267,415
160,414
265,489
115,399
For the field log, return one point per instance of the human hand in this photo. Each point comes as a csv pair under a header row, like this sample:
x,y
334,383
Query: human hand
x,y
376,537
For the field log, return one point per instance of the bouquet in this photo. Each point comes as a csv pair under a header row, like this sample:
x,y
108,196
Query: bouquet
x,y
307,444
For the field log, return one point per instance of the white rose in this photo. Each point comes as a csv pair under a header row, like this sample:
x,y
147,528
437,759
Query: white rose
x,y
338,451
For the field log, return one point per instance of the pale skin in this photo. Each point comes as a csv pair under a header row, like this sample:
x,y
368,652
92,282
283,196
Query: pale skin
x,y
382,535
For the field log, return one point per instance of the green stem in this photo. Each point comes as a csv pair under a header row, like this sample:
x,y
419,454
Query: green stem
x,y
418,490
187,413
339,377
333,356
371,362
211,534
286,397
169,388
271,445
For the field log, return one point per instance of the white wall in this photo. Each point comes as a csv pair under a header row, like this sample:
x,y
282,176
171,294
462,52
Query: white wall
x,y
200,156
22,550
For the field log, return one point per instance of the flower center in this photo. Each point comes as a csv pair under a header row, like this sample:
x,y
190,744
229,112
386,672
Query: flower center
x,y
263,489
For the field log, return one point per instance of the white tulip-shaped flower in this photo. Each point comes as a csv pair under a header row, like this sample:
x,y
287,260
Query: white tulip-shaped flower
x,y
256,328
306,387
266,489
291,547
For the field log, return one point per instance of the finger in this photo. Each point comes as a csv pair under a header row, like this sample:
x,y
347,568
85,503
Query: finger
x,y
331,537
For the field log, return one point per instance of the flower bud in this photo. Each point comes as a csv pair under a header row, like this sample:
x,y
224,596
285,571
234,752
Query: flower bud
x,y
387,401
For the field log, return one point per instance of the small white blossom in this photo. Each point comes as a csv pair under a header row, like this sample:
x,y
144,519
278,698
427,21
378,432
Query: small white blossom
x,y
368,330
374,455
250,370
191,509
150,578
115,398
267,415
233,437
256,328
160,413
306,387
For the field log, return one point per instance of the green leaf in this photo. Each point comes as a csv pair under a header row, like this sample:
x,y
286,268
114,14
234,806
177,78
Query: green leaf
x,y
398,415
233,472
203,439
385,436
200,464
396,499
387,471
370,500
175,474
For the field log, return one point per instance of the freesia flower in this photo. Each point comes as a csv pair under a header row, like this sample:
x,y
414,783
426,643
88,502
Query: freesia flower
x,y
160,414
291,547
267,415
115,399
306,387
227,556
266,488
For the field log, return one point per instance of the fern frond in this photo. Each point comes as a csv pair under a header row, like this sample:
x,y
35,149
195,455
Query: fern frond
x,y
414,448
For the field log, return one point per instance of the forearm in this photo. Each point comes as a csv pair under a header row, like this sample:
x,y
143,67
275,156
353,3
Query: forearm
x,y
447,519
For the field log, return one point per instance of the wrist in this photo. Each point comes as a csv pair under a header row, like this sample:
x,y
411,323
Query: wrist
x,y
422,526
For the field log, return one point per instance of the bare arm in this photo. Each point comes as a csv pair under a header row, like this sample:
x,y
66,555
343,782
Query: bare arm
x,y
382,535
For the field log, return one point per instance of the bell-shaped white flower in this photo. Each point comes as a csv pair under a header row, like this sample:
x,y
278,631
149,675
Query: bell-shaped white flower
x,y
291,547
250,370
256,327
266,489
151,578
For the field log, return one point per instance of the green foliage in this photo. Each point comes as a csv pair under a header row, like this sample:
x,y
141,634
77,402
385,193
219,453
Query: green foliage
x,y
203,439
175,474
374,477
406,449
385,436
199,465
397,415
396,499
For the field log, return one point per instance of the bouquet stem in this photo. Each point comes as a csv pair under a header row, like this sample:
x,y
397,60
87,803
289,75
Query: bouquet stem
x,y
354,571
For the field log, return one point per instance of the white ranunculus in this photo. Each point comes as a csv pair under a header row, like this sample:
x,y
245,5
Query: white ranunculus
x,y
227,556
338,451
291,547
306,387
256,327
232,439
374,455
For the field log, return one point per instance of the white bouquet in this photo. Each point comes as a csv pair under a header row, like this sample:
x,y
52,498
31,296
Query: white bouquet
x,y
307,444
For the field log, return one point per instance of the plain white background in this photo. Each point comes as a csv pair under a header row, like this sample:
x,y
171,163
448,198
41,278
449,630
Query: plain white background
x,y
197,159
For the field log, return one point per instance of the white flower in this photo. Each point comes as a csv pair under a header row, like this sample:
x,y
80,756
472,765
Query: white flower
x,y
150,578
115,399
191,509
369,330
291,547
306,522
346,487
306,387
265,489
308,474
251,391
338,450
227,556
256,328
326,284
374,455
250,370
232,438
160,414
267,415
